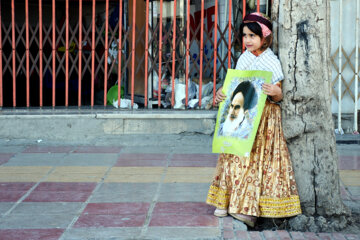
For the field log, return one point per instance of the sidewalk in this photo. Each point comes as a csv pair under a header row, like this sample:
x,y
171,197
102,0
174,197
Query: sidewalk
x,y
58,191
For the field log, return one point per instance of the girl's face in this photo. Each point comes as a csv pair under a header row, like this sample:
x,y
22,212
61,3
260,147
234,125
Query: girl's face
x,y
252,41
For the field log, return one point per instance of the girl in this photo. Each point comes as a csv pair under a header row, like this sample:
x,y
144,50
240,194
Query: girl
x,y
262,185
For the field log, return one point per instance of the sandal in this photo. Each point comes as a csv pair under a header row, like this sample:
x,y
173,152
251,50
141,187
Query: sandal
x,y
220,212
248,220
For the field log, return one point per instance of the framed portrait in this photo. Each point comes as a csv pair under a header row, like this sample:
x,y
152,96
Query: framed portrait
x,y
239,114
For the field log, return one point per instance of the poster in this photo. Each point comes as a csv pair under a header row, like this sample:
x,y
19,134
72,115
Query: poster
x,y
239,114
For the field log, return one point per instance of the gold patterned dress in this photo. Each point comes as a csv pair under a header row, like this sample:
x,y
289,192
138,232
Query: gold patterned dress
x,y
262,185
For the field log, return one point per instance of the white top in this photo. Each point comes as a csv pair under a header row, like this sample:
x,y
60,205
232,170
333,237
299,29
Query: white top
x,y
266,61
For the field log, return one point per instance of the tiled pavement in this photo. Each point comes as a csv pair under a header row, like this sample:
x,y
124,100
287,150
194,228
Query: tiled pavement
x,y
92,192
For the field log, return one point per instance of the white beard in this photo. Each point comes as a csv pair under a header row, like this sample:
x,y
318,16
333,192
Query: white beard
x,y
229,127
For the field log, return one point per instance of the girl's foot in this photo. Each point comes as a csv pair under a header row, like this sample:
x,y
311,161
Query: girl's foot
x,y
220,212
248,220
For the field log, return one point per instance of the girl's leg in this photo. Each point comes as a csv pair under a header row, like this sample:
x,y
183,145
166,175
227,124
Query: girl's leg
x,y
220,212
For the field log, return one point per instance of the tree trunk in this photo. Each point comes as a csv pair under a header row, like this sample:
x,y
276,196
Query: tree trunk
x,y
302,40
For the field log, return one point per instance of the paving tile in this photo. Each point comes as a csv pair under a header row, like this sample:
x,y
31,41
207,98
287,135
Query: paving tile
x,y
97,149
352,236
297,236
350,177
35,208
255,235
89,159
195,163
93,220
191,208
189,174
48,149
12,192
125,192
193,160
135,174
61,192
23,174
77,174
186,220
5,157
142,159
183,233
338,236
11,149
102,233
284,235
41,221
36,159
141,163
311,236
354,190
116,208
241,235
178,192
348,162
325,236
5,206
228,234
145,149
21,234
270,235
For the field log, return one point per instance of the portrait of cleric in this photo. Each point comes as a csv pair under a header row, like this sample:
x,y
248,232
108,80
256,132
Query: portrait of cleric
x,y
239,112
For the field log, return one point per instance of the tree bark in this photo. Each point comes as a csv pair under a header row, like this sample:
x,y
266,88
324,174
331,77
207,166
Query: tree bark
x,y
302,40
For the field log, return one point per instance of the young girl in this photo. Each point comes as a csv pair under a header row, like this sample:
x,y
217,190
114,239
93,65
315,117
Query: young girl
x,y
262,185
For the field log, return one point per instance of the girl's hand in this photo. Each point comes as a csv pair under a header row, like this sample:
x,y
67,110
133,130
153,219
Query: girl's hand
x,y
220,96
272,90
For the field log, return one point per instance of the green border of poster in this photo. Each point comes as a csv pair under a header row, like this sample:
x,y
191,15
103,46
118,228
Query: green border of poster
x,y
236,145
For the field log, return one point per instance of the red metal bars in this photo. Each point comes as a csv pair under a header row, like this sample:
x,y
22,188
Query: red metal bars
x,y
229,36
53,53
119,51
67,55
187,52
215,49
27,54
160,52
106,49
40,54
13,43
133,53
93,52
258,6
173,57
201,50
146,54
80,53
1,72
244,13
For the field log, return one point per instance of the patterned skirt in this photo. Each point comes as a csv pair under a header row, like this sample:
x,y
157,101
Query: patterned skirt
x,y
263,184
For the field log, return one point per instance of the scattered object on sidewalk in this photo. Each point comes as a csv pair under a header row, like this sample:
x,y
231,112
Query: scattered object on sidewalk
x,y
339,131
39,140
124,103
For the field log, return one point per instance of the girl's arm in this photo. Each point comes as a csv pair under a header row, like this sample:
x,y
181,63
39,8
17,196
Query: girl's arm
x,y
273,90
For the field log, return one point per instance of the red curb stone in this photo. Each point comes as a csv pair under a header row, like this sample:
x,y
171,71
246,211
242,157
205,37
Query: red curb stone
x,y
255,235
270,235
48,149
140,163
284,235
297,235
352,237
97,149
183,208
65,186
338,236
117,208
18,186
174,220
242,235
92,220
5,157
228,234
325,236
311,236
22,234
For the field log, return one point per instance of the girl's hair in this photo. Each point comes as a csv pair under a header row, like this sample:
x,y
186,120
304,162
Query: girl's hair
x,y
255,28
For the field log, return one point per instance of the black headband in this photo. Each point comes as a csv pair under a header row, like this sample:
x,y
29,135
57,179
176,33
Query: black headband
x,y
255,18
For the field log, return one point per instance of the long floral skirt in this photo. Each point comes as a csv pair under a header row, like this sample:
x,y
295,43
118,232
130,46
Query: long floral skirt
x,y
263,184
